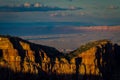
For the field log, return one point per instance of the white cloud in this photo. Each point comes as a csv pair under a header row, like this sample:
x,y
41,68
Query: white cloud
x,y
37,5
27,4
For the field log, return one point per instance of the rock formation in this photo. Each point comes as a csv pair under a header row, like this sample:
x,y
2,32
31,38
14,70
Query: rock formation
x,y
21,60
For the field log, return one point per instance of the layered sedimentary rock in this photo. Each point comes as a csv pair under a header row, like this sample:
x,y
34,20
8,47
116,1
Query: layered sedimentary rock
x,y
97,60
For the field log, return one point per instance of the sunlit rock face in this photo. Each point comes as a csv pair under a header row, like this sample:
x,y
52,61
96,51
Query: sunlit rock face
x,y
98,60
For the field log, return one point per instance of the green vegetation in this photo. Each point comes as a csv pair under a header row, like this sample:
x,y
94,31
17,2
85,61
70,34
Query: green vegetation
x,y
85,48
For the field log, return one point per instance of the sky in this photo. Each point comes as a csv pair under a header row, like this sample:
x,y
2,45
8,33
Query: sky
x,y
57,23
97,12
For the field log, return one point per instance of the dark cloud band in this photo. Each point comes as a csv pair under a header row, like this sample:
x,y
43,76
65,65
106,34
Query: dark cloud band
x,y
23,9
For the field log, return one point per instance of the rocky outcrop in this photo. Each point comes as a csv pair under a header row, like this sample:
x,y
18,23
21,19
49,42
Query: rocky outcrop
x,y
22,56
98,60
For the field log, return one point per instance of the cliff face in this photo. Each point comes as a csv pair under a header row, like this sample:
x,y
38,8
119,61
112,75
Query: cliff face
x,y
24,56
98,60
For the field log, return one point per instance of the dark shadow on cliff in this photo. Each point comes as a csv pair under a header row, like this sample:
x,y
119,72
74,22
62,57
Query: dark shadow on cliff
x,y
77,63
117,59
50,51
16,45
117,53
1,53
39,50
8,74
106,58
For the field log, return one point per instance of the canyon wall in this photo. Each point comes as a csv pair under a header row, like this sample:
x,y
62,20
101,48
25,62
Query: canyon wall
x,y
20,59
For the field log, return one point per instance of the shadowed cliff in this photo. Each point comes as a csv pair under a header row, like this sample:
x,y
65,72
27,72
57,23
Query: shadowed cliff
x,y
20,60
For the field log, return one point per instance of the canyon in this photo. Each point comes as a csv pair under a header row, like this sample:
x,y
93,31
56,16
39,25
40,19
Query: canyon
x,y
21,60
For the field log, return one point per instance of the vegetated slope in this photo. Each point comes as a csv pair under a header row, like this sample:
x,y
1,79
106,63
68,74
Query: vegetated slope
x,y
86,47
20,59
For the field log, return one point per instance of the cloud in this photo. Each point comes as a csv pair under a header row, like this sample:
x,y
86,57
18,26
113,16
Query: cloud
x,y
113,7
59,14
38,5
74,8
33,7
27,4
